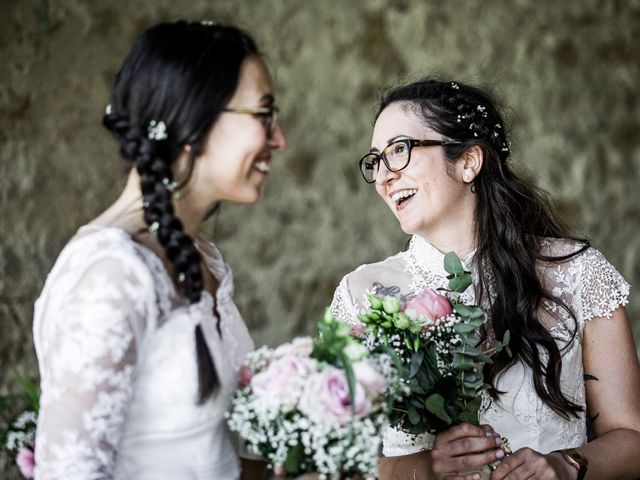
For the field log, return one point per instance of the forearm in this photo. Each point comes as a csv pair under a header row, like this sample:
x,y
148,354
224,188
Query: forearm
x,y
415,466
613,456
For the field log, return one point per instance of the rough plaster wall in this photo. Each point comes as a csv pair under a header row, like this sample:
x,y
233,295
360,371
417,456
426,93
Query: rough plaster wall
x,y
568,70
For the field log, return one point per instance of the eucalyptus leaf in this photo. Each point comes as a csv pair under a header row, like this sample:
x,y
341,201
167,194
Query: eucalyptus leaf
x,y
463,328
452,264
435,404
416,362
460,284
414,416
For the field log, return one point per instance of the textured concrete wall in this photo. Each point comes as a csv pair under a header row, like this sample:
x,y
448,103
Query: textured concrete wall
x,y
569,71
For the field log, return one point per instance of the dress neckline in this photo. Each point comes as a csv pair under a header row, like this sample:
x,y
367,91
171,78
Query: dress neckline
x,y
430,258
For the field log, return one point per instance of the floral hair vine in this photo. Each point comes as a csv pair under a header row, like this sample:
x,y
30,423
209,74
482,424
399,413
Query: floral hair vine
x,y
208,23
108,110
157,130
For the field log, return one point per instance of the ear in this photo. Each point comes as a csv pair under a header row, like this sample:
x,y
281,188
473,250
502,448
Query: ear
x,y
471,163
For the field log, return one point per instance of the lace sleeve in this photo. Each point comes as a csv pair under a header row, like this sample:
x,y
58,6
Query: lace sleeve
x,y
602,288
343,307
88,323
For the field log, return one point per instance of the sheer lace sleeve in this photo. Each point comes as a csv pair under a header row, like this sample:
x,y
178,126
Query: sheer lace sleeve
x,y
343,307
602,289
88,326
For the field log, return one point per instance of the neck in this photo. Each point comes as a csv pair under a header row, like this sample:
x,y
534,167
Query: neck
x,y
458,235
126,211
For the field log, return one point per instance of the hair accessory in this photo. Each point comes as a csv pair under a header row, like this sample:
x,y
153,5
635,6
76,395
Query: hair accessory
x,y
169,185
181,277
153,228
145,204
107,111
157,130
455,86
208,23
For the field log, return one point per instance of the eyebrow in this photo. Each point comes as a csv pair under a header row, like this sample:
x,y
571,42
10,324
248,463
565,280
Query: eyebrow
x,y
391,140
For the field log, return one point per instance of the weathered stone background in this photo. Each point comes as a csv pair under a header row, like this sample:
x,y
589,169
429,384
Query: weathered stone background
x,y
568,70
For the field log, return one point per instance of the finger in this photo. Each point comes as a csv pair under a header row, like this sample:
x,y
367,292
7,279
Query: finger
x,y
460,431
508,466
464,446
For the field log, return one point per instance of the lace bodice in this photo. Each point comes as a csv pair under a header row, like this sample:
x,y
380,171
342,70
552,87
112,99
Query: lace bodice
x,y
119,381
587,283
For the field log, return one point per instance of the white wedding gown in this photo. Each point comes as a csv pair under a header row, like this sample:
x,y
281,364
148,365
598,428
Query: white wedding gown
x,y
116,350
588,284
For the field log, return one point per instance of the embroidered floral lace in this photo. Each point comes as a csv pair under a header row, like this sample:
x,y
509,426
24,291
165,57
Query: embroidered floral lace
x,y
119,380
588,284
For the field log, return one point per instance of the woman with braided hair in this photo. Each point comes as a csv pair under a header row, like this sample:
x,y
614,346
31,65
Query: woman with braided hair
x,y
440,160
138,339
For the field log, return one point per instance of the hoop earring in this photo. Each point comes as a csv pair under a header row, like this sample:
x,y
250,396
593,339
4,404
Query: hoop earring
x,y
474,189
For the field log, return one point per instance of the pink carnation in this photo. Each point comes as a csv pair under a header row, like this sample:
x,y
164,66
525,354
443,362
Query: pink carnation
x,y
429,304
26,461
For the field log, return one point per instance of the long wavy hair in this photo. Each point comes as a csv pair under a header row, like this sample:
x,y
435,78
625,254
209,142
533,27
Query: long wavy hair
x,y
512,217
171,88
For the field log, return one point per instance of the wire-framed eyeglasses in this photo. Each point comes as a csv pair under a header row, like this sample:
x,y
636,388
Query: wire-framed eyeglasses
x,y
269,116
395,156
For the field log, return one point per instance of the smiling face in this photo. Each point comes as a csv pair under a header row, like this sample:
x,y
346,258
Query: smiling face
x,y
427,198
236,158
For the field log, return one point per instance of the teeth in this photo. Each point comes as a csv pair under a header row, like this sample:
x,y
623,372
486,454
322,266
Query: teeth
x,y
398,196
263,166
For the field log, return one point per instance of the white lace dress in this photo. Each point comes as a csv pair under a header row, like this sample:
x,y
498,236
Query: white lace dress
x,y
588,284
116,349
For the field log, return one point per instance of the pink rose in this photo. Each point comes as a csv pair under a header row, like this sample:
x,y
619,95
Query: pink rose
x,y
429,304
372,380
283,380
26,461
326,396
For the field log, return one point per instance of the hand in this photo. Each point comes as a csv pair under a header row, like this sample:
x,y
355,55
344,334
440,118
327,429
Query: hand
x,y
527,463
461,448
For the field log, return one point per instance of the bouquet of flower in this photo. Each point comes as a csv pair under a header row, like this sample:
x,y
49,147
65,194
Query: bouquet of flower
x,y
18,437
316,405
434,339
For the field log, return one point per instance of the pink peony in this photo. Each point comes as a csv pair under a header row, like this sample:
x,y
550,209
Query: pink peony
x,y
302,346
26,461
367,376
326,396
283,380
429,304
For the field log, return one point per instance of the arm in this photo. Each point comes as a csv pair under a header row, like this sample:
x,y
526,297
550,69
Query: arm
x,y
87,352
609,355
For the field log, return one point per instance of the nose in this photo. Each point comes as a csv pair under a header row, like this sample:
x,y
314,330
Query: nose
x,y
385,176
277,140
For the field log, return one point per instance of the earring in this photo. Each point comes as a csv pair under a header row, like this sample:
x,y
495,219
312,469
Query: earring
x,y
466,177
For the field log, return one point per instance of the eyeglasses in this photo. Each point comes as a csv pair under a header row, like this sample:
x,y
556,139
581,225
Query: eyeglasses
x,y
269,116
396,156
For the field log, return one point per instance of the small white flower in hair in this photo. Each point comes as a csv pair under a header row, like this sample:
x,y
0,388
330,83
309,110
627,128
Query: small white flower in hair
x,y
157,130
208,23
107,111
455,86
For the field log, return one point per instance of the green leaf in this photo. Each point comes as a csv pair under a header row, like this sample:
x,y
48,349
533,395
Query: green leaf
x,y
414,416
484,358
464,328
32,391
452,264
435,404
477,312
508,350
416,362
462,362
416,344
292,462
462,310
506,337
460,284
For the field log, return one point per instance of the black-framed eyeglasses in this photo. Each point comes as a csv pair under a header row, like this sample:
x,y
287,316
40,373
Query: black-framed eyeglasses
x,y
269,115
396,156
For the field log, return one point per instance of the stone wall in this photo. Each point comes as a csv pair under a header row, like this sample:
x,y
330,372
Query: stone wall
x,y
568,71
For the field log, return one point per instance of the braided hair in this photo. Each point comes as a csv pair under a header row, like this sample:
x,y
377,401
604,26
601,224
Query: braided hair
x,y
172,86
511,218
